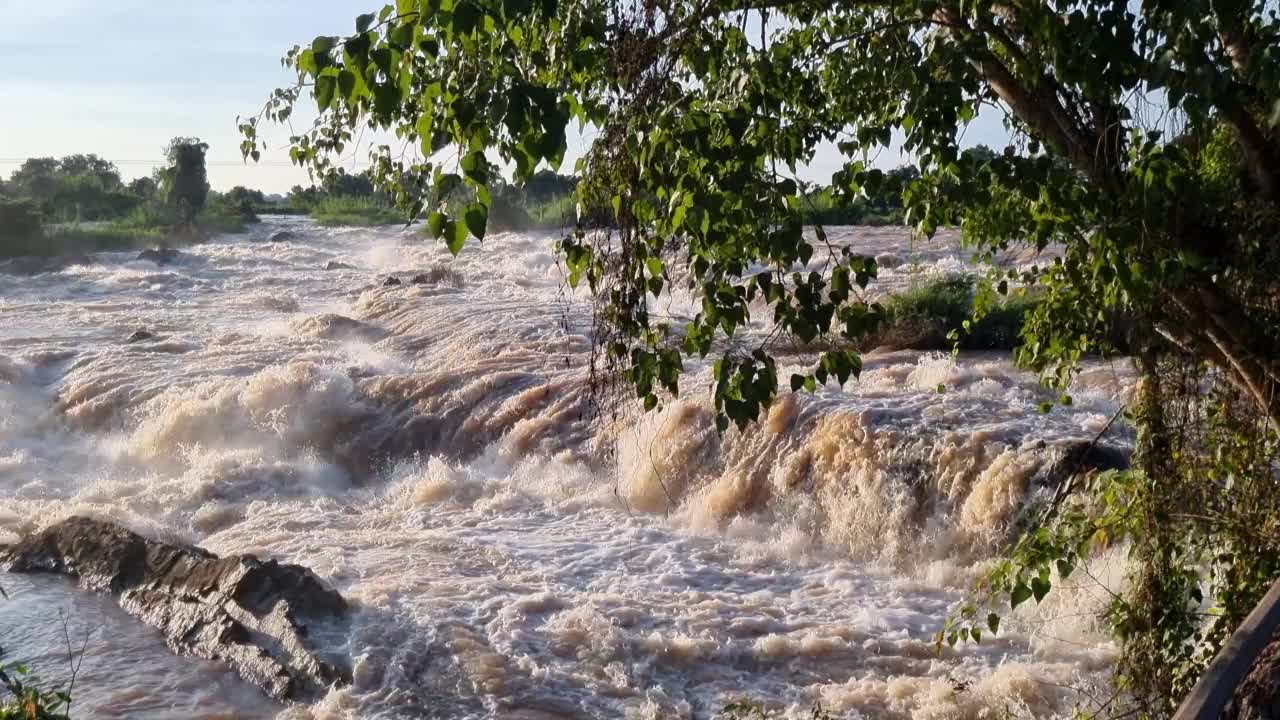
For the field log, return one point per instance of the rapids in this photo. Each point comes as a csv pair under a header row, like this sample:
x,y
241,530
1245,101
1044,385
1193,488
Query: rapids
x,y
428,450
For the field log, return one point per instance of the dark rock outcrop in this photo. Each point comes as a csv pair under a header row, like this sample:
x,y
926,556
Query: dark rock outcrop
x,y
392,282
282,236
159,256
335,265
1258,697
139,336
439,275
260,616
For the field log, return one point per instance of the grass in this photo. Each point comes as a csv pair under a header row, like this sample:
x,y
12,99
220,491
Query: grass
x,y
355,211
555,213
145,226
821,208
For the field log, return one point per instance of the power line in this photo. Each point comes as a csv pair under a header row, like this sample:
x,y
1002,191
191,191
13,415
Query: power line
x,y
208,163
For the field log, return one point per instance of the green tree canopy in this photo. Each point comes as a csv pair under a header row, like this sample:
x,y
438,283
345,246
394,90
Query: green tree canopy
x,y
36,178
703,110
185,180
1144,149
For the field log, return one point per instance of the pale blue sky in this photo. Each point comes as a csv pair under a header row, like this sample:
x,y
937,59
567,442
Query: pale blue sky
x,y
120,77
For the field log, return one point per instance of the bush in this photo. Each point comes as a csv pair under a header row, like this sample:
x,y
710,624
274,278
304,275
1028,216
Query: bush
x,y
26,700
20,232
923,317
355,211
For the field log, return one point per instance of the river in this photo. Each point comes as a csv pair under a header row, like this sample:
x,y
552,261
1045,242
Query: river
x,y
428,449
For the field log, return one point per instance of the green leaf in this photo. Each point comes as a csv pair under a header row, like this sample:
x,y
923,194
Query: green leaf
x,y
346,83
436,223
1040,587
323,44
1019,595
326,85
993,623
476,217
475,166
455,237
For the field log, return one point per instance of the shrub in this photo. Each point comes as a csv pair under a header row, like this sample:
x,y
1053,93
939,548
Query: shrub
x,y
26,700
355,211
20,232
924,317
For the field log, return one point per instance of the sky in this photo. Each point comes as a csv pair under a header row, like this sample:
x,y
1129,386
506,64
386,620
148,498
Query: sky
x,y
121,77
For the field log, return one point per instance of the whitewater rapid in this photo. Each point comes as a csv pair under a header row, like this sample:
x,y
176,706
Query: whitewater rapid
x,y
429,449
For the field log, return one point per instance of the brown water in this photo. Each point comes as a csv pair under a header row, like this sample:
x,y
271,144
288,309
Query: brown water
x,y
426,449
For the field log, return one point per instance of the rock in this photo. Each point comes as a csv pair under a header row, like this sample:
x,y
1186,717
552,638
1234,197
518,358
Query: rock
x,y
259,616
888,260
282,236
337,327
392,282
335,265
1258,696
439,275
139,336
159,256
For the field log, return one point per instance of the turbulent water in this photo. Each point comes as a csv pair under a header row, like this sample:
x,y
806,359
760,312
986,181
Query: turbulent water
x,y
427,448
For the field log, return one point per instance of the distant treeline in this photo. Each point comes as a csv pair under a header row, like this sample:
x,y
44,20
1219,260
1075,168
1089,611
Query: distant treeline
x,y
80,203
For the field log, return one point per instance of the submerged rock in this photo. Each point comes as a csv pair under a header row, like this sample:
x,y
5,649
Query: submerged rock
x,y
335,265
392,282
282,236
888,260
439,275
259,616
337,327
159,256
139,336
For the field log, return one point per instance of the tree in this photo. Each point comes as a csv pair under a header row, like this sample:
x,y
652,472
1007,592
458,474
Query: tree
x,y
300,197
103,171
1144,145
240,195
344,184
706,165
36,178
143,187
185,180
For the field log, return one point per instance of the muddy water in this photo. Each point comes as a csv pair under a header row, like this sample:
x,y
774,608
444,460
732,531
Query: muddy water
x,y
427,449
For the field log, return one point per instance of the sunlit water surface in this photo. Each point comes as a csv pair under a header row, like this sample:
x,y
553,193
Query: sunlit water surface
x,y
428,450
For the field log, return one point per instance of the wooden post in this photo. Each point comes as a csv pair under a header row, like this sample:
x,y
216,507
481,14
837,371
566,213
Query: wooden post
x,y
1215,688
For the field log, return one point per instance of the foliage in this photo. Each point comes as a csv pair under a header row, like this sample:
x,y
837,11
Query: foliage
x,y
343,184
26,700
939,315
77,187
19,219
710,186
1201,521
355,211
1145,149
185,180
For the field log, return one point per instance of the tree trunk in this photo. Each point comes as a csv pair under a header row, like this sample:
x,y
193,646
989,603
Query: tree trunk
x,y
1212,325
